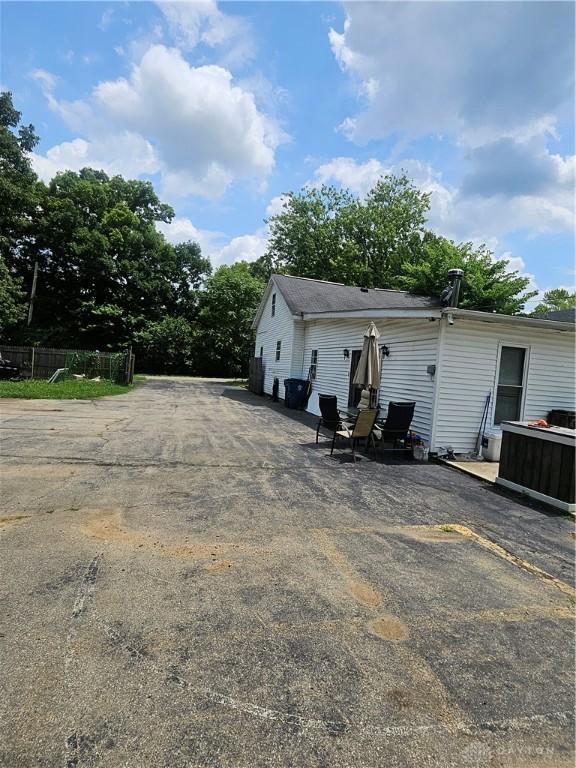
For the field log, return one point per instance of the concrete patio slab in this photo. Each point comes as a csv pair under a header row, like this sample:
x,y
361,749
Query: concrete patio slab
x,y
484,470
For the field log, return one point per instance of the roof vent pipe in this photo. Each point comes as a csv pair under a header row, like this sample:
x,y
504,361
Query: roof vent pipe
x,y
451,294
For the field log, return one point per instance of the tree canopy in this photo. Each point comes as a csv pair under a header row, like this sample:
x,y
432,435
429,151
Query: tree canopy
x,y
556,299
20,198
227,309
488,285
382,241
329,234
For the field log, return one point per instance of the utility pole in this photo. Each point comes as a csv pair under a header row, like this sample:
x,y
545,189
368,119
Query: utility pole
x,y
33,293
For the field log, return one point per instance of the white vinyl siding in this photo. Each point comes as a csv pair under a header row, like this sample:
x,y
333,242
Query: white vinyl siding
x,y
468,371
412,344
449,405
285,328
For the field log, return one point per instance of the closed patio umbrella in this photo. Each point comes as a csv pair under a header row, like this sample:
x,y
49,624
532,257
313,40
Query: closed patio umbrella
x,y
368,371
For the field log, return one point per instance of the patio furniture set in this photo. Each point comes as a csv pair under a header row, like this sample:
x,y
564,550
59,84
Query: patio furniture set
x,y
364,424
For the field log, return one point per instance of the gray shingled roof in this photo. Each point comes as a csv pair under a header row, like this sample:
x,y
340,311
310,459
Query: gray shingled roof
x,y
314,296
559,315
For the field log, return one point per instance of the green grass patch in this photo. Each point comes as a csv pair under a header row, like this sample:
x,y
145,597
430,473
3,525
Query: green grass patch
x,y
139,377
447,528
69,389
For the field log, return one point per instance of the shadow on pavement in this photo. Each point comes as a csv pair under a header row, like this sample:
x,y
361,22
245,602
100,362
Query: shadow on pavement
x,y
311,421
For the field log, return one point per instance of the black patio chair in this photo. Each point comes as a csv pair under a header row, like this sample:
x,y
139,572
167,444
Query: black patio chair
x,y
331,417
362,429
396,427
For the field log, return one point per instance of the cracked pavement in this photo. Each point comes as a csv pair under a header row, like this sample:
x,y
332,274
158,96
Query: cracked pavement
x,y
187,579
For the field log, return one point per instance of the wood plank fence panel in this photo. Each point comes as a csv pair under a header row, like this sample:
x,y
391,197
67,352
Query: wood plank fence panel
x,y
42,362
256,376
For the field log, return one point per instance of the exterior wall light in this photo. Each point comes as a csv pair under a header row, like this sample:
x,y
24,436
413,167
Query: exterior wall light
x,y
385,351
346,353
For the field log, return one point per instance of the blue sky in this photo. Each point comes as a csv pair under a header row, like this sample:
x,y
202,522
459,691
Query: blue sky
x,y
227,106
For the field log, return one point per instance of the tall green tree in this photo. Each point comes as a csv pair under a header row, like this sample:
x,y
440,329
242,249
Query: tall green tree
x,y
224,338
305,238
488,284
166,346
20,191
21,196
381,241
12,299
105,270
556,299
330,234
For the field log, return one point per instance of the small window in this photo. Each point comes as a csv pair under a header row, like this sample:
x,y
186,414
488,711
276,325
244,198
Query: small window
x,y
510,387
273,304
261,351
313,364
278,348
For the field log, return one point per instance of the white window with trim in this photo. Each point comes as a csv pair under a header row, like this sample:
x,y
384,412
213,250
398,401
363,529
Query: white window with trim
x,y
313,364
278,350
510,383
273,306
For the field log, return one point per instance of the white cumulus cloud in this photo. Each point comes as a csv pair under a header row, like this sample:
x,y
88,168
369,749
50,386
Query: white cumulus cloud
x,y
192,23
206,131
215,245
545,203
486,69
181,230
118,154
242,248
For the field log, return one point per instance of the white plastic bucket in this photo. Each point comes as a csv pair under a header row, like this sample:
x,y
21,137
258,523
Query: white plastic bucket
x,y
491,445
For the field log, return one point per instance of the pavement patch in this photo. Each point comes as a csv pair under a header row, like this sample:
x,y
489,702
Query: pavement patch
x,y
389,628
11,519
510,557
360,589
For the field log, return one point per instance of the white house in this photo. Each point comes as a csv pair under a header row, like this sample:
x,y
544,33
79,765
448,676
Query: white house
x,y
444,358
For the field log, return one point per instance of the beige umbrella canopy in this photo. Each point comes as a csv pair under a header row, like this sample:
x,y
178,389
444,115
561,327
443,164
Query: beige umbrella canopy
x,y
368,371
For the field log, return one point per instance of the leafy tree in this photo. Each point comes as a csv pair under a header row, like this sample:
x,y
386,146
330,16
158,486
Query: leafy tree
x,y
166,346
382,241
12,299
20,191
488,285
329,234
105,270
224,332
304,238
556,299
390,228
263,268
20,197
192,269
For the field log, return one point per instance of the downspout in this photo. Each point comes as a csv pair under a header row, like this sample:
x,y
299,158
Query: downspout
x,y
437,383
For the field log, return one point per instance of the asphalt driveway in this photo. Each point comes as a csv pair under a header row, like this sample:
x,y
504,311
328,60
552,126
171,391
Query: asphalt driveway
x,y
187,580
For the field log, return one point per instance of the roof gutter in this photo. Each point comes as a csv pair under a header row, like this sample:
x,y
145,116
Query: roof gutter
x,y
349,314
526,322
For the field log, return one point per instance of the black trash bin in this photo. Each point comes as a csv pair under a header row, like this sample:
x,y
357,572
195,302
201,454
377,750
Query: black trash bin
x,y
295,393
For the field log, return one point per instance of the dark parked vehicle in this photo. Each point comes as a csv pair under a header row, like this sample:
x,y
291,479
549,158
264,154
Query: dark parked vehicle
x,y
9,370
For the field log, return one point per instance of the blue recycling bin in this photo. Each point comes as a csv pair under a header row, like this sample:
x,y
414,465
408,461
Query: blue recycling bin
x,y
294,392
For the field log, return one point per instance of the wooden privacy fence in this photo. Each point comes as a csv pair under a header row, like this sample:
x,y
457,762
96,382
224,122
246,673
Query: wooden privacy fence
x,y
42,362
256,376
